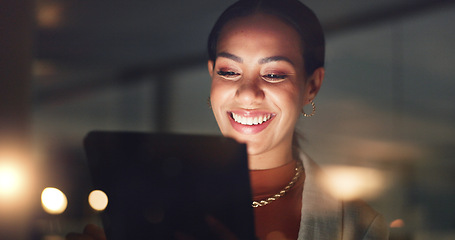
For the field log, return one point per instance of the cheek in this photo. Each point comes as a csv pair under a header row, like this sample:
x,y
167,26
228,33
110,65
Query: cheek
x,y
294,105
219,92
219,95
301,94
215,93
289,97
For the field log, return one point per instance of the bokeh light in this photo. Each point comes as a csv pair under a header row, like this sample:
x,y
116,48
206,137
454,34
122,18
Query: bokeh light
x,y
98,200
53,200
349,182
10,179
50,14
397,223
17,182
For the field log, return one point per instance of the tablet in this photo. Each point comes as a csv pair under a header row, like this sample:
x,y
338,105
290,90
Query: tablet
x,y
161,186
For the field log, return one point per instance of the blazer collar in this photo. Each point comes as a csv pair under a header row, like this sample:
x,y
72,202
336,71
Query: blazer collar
x,y
321,216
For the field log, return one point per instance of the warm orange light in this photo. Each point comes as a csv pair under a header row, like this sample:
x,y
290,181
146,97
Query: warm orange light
x,y
348,183
397,223
16,185
42,68
10,179
50,14
98,200
53,200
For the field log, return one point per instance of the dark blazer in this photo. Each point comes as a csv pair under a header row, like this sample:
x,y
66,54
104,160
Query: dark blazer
x,y
327,218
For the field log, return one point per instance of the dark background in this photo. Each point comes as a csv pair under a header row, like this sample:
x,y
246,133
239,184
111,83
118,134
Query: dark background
x,y
387,103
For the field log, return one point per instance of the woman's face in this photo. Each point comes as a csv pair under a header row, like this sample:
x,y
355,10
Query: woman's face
x,y
258,83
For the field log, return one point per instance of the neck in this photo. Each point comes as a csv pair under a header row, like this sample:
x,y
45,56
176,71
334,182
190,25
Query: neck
x,y
268,160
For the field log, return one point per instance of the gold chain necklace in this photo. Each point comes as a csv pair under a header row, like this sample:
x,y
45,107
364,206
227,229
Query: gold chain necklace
x,y
298,172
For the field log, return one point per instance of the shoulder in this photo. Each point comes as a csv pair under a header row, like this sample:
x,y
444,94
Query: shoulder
x,y
323,213
360,221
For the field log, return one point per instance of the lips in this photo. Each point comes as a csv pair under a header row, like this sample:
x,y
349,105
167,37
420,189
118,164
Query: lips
x,y
250,122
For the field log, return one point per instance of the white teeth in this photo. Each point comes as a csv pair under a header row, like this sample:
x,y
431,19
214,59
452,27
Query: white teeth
x,y
251,120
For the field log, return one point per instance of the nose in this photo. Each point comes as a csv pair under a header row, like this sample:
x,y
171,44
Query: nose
x,y
249,93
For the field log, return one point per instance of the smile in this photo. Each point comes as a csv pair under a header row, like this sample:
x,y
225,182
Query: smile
x,y
256,120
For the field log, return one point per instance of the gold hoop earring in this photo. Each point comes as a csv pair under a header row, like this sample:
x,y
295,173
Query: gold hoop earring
x,y
312,112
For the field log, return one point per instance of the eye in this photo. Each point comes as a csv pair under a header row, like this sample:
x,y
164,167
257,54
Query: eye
x,y
272,77
228,74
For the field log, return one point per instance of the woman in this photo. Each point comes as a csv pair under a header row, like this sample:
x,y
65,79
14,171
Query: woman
x,y
266,63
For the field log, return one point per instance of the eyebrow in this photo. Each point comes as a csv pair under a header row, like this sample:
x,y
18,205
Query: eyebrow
x,y
261,61
230,56
275,59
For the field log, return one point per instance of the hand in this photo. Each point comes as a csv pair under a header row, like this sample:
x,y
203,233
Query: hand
x,y
91,232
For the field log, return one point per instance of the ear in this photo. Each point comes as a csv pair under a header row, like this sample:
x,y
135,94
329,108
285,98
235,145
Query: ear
x,y
210,66
313,84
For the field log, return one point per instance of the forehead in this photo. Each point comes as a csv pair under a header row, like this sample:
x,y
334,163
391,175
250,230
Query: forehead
x,y
260,31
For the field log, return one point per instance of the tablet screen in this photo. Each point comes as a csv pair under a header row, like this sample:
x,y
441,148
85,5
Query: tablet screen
x,y
165,185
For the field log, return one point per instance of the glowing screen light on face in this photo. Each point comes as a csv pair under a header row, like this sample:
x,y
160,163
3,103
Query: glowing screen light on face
x,y
98,200
53,200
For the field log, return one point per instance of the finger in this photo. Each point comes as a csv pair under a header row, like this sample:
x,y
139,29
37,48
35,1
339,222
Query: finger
x,y
95,232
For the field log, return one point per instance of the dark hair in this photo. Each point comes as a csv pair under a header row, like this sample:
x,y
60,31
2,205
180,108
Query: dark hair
x,y
293,12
